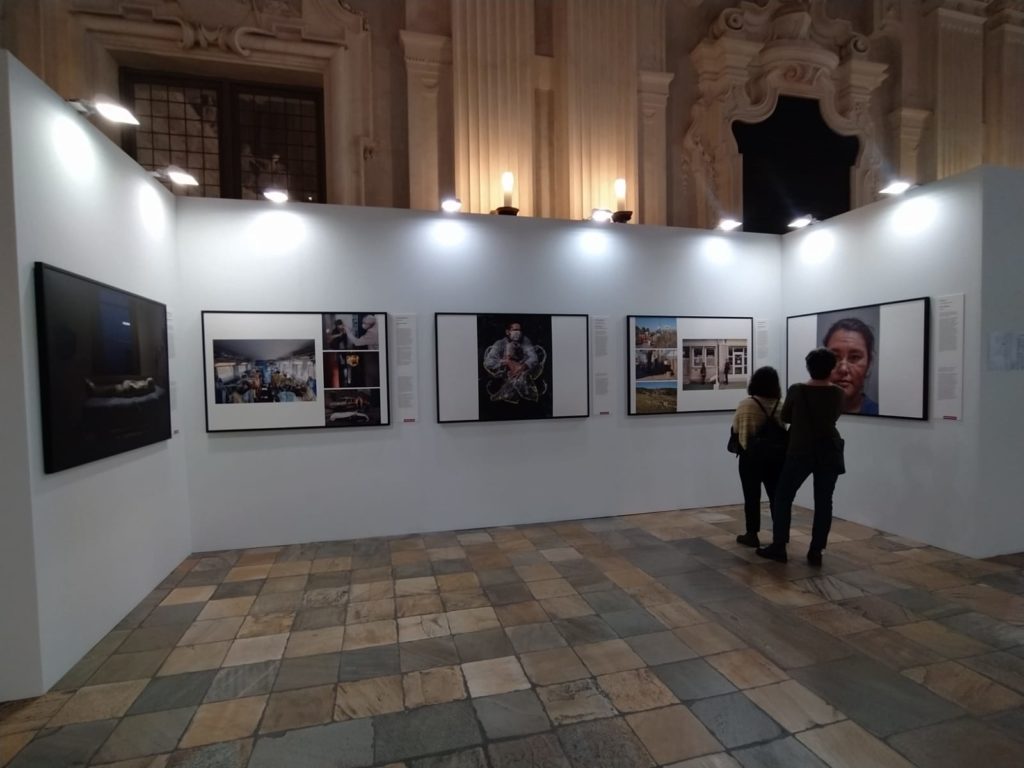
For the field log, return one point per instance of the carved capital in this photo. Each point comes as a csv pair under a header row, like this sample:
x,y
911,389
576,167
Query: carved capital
x,y
1005,13
424,48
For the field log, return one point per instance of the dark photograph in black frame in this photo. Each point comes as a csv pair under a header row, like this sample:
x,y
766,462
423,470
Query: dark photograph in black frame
x,y
103,369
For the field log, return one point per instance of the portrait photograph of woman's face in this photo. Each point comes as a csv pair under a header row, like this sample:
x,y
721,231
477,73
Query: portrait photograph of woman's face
x,y
853,336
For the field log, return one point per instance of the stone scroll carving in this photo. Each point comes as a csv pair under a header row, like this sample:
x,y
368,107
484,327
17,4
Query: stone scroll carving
x,y
752,55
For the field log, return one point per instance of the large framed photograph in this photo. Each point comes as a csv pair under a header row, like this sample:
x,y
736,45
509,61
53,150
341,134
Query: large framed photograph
x,y
511,367
882,352
681,364
290,370
103,370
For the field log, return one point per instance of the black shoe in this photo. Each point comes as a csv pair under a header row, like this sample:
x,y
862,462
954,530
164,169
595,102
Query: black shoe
x,y
773,552
748,540
814,557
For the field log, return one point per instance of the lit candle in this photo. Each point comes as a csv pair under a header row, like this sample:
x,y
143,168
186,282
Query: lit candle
x,y
507,182
620,194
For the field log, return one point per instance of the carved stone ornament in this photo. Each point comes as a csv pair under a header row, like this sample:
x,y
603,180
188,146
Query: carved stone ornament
x,y
752,55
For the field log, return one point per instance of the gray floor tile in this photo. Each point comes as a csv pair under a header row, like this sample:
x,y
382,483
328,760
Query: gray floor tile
x,y
1005,668
542,751
67,747
611,600
232,754
511,714
173,692
925,604
783,753
425,731
660,648
506,594
635,622
173,614
238,589
585,629
735,720
985,629
705,587
966,742
368,662
470,758
339,745
535,637
607,743
307,671
153,638
142,735
245,680
488,644
693,679
425,654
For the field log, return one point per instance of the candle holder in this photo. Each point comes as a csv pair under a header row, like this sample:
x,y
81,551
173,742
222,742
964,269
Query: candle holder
x,y
622,217
506,210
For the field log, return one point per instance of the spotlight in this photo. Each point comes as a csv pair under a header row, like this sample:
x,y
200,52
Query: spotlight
x,y
800,222
106,109
179,176
728,225
601,215
275,195
451,205
896,187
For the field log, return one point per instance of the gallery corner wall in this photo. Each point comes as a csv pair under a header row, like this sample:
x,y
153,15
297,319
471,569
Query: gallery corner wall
x,y
948,483
86,544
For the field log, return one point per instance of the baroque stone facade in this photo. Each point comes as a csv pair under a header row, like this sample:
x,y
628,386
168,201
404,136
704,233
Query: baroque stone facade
x,y
428,98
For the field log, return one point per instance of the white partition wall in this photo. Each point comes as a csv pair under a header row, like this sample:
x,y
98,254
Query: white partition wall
x,y
86,544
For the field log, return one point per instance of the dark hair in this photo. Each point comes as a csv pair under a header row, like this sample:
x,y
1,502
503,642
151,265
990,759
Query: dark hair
x,y
508,325
820,362
853,325
765,383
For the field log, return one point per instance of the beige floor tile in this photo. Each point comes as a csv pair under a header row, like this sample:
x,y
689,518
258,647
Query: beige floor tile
x,y
493,676
551,588
370,634
231,606
247,573
433,686
424,585
266,624
291,568
224,721
463,601
33,715
629,577
12,744
99,702
423,627
847,745
609,656
458,582
529,612
367,575
313,642
367,698
574,702
212,631
373,590
746,668
636,690
566,607
254,649
941,640
284,584
922,575
329,564
298,709
183,595
709,638
787,595
719,760
472,620
371,610
793,706
561,554
194,658
672,734
446,553
265,556
417,605
405,558
651,595
988,600
557,665
537,572
676,614
965,687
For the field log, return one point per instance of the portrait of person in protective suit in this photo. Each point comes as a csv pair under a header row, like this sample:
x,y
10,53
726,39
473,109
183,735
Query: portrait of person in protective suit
x,y
515,376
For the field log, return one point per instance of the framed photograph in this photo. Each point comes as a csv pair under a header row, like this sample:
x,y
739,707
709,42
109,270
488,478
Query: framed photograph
x,y
882,352
292,370
511,367
103,371
688,364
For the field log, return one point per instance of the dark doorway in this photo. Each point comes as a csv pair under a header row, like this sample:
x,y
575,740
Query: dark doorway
x,y
793,164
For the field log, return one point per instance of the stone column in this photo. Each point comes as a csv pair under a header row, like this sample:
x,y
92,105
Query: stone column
x,y
427,63
653,97
1004,84
492,55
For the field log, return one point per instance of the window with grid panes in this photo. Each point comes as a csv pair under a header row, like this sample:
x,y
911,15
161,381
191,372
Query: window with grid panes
x,y
236,138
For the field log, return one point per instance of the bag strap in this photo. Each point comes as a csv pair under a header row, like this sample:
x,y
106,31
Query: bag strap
x,y
765,412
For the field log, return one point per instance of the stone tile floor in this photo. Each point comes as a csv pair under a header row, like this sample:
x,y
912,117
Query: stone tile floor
x,y
634,641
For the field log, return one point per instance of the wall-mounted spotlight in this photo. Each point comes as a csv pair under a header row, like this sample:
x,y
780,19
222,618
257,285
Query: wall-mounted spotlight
x,y
275,195
451,205
801,221
601,215
176,175
106,109
896,187
728,225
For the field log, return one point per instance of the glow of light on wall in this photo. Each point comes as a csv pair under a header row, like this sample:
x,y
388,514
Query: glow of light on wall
x,y
448,233
817,246
913,216
593,243
151,210
276,232
718,250
74,148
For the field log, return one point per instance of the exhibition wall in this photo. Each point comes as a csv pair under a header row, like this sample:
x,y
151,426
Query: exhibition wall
x,y
91,541
249,489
